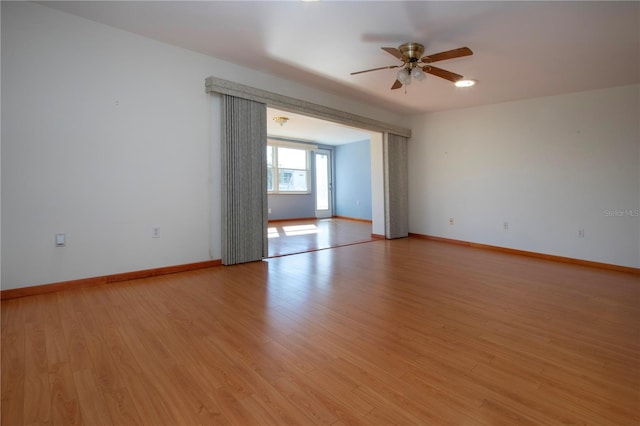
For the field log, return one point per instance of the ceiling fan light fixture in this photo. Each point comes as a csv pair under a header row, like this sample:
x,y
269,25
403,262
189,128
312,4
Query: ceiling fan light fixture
x,y
465,83
403,76
418,74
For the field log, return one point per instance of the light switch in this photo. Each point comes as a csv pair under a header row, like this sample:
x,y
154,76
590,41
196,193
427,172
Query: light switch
x,y
60,240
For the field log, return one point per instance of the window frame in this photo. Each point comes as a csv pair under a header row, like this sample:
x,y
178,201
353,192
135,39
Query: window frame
x,y
274,145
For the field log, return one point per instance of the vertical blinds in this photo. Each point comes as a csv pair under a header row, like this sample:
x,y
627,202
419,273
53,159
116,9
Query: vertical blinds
x,y
244,171
396,182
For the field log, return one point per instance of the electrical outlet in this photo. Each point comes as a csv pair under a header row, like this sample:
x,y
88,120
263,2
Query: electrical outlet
x,y
155,232
61,240
505,225
451,222
580,233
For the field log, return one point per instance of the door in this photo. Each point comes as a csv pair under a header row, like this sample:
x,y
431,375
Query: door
x,y
324,184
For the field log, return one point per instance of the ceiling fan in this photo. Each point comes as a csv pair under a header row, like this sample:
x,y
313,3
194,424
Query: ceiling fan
x,y
415,65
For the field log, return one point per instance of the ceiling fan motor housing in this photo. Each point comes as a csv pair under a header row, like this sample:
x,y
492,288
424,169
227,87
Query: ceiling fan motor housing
x,y
412,51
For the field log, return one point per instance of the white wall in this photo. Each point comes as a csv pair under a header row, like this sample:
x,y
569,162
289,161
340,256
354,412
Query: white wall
x,y
377,184
0,142
106,134
547,166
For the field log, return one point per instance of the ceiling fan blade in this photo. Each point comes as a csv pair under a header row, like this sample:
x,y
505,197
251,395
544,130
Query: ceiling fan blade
x,y
376,69
396,85
439,72
395,52
449,54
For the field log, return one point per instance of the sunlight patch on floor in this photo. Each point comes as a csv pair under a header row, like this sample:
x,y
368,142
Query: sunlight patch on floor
x,y
300,230
272,233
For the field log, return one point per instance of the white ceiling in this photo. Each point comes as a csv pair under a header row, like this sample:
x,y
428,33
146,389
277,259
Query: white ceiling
x,y
309,129
521,49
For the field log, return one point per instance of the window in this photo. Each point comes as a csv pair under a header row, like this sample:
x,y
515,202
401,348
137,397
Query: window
x,y
287,169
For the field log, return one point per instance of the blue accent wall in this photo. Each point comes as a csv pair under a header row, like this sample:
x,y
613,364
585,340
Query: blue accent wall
x,y
352,184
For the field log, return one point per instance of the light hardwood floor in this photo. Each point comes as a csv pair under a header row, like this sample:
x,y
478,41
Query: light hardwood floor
x,y
303,235
402,332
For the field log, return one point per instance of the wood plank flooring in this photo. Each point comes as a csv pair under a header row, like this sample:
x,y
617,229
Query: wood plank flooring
x,y
398,332
300,236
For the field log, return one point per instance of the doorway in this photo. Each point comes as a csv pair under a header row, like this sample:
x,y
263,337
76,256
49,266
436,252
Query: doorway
x,y
324,183
344,204
378,131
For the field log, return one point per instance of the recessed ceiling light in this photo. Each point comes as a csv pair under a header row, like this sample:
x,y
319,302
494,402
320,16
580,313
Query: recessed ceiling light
x,y
465,83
